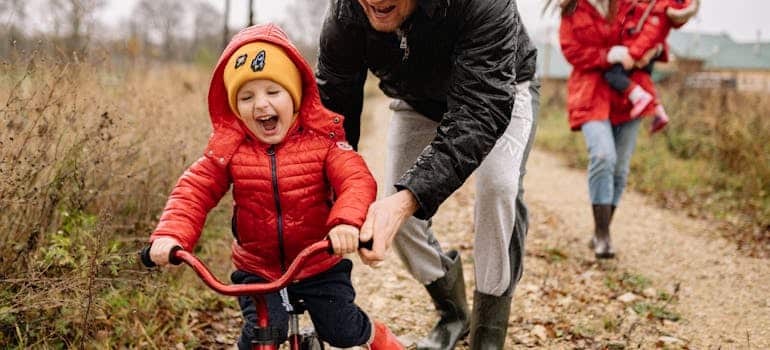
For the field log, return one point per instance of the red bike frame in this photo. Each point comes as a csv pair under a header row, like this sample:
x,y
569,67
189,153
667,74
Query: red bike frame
x,y
254,290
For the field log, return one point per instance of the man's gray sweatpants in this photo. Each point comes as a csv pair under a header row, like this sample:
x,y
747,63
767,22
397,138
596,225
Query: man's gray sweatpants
x,y
500,223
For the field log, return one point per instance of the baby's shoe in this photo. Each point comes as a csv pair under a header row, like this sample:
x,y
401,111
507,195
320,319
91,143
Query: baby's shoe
x,y
660,121
640,99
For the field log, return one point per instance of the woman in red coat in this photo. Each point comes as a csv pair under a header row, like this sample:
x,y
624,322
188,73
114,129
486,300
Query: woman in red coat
x,y
590,35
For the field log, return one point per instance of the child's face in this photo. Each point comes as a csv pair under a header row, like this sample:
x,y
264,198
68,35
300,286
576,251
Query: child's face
x,y
267,109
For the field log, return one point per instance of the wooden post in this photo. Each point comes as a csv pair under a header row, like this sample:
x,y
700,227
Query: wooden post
x,y
226,29
251,13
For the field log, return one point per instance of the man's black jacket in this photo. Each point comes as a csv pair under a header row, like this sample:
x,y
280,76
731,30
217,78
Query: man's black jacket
x,y
458,66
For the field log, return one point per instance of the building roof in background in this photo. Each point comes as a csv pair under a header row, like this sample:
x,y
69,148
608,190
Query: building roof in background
x,y
720,51
717,51
741,56
697,46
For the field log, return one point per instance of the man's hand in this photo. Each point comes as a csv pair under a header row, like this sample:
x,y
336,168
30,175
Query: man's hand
x,y
383,220
160,249
344,239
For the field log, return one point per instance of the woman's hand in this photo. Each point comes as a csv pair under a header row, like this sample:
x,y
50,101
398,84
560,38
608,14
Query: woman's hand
x,y
344,239
619,54
160,249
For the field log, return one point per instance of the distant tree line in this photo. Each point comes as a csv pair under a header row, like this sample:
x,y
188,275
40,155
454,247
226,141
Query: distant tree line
x,y
168,30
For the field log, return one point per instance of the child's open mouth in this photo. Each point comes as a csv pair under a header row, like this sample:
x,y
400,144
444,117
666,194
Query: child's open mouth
x,y
382,11
268,122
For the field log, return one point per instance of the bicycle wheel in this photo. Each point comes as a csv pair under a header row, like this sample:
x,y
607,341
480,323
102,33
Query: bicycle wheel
x,y
311,342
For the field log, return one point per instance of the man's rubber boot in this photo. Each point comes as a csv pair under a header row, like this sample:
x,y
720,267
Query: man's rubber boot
x,y
601,242
489,321
384,339
448,294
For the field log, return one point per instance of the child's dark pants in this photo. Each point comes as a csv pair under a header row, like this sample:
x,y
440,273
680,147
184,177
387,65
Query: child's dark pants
x,y
617,76
328,298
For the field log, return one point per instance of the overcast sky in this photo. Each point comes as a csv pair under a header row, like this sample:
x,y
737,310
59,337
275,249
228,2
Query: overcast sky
x,y
742,19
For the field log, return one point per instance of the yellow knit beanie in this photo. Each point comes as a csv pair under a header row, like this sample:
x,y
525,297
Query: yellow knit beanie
x,y
261,60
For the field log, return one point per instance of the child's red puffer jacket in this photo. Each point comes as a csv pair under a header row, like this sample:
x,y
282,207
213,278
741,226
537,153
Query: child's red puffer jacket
x,y
282,193
645,27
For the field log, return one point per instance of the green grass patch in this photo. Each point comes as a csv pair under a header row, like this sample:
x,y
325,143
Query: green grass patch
x,y
584,330
661,312
555,255
626,281
611,324
635,282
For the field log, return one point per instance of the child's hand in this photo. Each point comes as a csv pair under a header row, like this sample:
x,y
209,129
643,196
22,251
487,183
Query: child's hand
x,y
649,56
160,249
344,239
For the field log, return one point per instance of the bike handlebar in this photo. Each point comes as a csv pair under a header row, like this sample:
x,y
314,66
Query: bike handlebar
x,y
178,255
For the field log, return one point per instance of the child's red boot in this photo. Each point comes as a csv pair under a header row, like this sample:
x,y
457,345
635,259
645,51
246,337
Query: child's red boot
x,y
640,99
660,121
384,339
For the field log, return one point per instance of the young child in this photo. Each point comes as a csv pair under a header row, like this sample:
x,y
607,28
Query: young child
x,y
645,30
286,158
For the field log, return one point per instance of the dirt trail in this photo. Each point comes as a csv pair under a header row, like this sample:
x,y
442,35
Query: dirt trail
x,y
724,296
675,284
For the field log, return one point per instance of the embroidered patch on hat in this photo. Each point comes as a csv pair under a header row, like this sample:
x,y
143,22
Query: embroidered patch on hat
x,y
258,64
240,60
344,146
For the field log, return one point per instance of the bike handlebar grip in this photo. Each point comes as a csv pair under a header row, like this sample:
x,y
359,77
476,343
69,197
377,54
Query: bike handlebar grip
x,y
172,259
144,254
368,245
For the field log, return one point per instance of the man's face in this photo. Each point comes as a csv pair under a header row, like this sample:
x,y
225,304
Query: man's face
x,y
387,15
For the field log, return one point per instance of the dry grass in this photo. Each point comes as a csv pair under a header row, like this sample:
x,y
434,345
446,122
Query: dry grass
x,y
88,153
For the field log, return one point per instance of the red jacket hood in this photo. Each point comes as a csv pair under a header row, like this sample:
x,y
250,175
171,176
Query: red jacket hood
x,y
229,131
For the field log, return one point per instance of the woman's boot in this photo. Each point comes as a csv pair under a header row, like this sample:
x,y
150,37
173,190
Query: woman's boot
x,y
601,242
384,339
448,294
489,321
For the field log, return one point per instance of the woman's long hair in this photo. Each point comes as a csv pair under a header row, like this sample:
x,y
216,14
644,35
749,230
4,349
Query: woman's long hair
x,y
567,7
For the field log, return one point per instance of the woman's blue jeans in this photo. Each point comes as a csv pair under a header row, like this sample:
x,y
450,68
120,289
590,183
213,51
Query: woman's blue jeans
x,y
609,158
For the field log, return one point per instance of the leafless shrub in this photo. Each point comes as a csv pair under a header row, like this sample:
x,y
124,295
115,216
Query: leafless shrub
x,y
88,152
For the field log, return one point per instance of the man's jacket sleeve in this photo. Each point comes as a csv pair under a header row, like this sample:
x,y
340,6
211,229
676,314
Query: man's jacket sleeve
x,y
341,71
480,102
198,191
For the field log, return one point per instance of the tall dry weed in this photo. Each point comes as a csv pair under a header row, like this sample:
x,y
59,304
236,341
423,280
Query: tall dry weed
x,y
88,153
730,129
